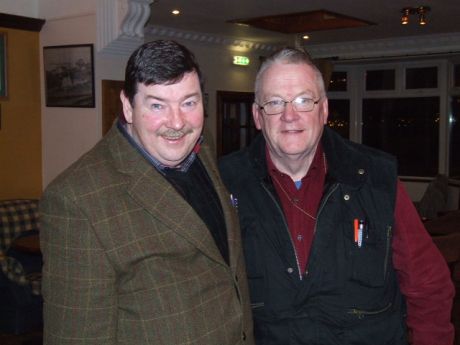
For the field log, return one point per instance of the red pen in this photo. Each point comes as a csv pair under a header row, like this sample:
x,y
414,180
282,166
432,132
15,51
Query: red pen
x,y
356,228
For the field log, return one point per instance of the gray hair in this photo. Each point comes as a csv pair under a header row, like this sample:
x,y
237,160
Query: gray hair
x,y
294,56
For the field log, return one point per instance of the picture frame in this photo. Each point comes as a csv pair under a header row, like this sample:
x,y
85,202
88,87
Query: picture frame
x,y
69,76
3,66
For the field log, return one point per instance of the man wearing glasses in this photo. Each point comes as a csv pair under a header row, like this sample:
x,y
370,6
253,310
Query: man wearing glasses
x,y
335,251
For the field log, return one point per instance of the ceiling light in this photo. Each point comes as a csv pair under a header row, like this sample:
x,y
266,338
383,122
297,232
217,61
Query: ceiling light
x,y
175,12
405,16
421,11
305,37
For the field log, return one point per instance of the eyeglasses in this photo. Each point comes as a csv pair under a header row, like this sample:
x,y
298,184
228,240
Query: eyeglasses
x,y
277,106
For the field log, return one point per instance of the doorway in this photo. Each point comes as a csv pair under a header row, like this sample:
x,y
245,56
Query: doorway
x,y
235,126
111,104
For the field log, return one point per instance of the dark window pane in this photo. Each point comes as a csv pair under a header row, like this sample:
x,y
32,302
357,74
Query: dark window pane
x,y
407,128
380,80
338,81
422,78
339,116
457,75
454,162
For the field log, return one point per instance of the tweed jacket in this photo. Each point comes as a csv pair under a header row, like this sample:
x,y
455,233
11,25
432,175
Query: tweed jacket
x,y
128,261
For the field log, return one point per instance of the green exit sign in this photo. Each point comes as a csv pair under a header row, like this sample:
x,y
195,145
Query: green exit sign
x,y
241,60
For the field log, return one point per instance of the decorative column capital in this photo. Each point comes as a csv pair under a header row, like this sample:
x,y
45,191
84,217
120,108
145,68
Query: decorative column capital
x,y
120,25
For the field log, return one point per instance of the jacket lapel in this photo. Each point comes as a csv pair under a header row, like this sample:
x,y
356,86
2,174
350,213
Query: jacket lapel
x,y
158,197
230,214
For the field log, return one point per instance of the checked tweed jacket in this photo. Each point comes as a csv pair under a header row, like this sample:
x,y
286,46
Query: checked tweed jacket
x,y
128,261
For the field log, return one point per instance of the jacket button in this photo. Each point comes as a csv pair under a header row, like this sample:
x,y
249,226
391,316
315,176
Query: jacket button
x,y
346,197
361,171
290,270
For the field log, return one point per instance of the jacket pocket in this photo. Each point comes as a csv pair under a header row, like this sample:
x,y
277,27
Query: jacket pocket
x,y
371,258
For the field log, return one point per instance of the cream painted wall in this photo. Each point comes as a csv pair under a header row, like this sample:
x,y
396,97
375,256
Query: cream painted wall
x,y
67,132
26,8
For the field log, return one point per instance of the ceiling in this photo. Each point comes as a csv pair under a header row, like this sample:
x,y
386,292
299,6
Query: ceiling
x,y
213,16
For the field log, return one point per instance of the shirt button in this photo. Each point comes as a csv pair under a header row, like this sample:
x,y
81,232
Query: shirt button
x,y
299,238
290,270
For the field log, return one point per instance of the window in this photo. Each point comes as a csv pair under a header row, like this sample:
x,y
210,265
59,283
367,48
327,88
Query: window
x,y
454,152
422,78
407,128
338,81
457,75
380,80
405,108
339,116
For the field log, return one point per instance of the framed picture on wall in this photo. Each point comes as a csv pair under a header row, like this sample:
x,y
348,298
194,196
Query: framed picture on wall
x,y
3,68
69,76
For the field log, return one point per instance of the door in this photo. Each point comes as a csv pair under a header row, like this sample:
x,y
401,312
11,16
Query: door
x,y
235,126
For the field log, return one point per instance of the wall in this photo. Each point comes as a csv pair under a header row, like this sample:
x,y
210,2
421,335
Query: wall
x,y
67,132
25,8
20,136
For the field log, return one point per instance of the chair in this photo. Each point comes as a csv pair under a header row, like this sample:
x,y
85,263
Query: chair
x,y
21,303
434,200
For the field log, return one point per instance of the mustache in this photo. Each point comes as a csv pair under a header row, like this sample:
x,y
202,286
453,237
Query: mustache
x,y
173,134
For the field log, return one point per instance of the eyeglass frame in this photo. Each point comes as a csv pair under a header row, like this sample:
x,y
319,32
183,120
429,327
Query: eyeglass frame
x,y
262,107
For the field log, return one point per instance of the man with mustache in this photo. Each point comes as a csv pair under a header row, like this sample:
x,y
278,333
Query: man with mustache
x,y
141,244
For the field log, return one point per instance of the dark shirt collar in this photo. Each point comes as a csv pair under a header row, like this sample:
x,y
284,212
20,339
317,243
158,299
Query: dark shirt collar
x,y
183,167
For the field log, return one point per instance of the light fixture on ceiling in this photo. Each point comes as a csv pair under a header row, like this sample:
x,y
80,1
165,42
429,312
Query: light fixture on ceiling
x,y
305,37
175,12
421,11
405,15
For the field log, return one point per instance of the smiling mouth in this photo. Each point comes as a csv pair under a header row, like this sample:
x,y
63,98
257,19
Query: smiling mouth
x,y
292,130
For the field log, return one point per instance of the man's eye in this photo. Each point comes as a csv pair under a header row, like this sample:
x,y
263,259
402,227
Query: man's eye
x,y
303,100
189,104
156,106
275,103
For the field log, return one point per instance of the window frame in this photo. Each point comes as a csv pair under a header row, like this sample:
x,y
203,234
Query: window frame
x,y
356,93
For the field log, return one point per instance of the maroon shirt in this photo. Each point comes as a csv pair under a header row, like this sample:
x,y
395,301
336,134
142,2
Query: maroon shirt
x,y
424,279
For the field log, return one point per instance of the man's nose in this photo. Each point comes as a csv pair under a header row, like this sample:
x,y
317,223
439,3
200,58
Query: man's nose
x,y
289,113
176,118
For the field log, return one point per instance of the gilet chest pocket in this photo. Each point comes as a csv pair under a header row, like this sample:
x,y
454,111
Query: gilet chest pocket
x,y
369,260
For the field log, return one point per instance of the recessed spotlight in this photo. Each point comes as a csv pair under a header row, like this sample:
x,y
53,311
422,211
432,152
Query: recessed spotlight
x,y
305,37
175,12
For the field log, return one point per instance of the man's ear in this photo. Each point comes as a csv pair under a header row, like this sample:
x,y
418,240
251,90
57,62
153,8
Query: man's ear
x,y
256,115
325,110
127,107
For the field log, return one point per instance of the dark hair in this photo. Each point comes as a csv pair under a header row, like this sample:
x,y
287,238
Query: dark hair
x,y
161,62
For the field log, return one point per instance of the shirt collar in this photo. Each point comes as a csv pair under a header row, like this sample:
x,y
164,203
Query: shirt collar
x,y
315,164
183,167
